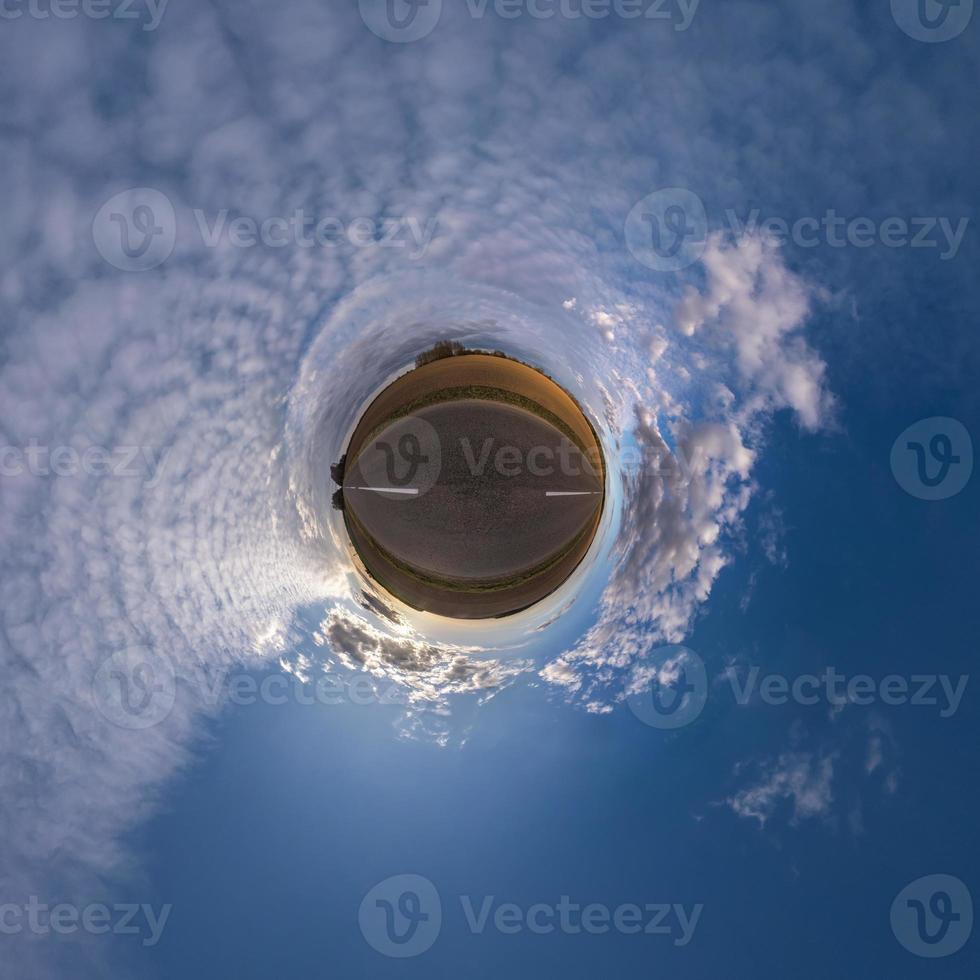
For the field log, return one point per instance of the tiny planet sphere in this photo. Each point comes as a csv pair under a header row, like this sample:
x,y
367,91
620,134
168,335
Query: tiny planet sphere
x,y
472,486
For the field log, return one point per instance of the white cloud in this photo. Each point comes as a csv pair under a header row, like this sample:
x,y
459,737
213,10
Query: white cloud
x,y
754,306
802,779
684,500
430,672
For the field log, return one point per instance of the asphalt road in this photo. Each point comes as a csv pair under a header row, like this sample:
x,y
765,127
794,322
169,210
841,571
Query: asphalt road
x,y
493,512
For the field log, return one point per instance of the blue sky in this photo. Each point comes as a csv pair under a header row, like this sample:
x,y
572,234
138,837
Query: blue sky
x,y
226,226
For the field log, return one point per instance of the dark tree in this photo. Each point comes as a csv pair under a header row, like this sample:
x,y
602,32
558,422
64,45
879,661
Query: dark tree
x,y
444,348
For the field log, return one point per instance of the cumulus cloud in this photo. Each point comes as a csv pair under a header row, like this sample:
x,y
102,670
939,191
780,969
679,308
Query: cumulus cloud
x,y
849,768
753,306
802,780
684,498
429,672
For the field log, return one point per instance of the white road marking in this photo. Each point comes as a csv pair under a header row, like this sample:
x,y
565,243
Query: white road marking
x,y
411,491
572,493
